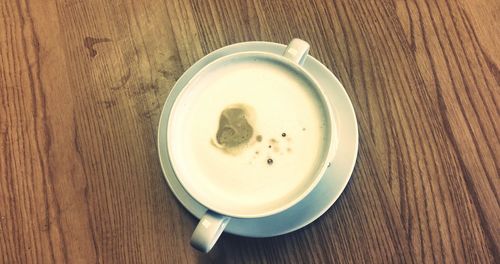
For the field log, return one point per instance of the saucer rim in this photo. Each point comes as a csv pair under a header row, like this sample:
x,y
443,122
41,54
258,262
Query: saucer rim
x,y
197,209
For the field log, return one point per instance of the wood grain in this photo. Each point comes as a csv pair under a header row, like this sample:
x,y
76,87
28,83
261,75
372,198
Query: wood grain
x,y
82,84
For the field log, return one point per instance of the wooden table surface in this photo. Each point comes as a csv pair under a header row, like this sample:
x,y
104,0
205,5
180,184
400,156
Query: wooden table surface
x,y
82,84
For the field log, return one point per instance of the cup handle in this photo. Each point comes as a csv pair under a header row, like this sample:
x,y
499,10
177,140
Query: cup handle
x,y
297,51
208,231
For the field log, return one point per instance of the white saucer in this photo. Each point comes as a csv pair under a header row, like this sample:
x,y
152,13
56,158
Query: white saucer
x,y
328,189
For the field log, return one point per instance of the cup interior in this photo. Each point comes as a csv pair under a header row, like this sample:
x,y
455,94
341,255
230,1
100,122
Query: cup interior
x,y
250,135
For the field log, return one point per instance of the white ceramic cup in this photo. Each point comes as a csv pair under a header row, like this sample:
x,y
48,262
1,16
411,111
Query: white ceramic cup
x,y
212,224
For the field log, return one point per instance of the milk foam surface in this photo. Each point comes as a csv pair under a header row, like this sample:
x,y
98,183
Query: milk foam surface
x,y
281,102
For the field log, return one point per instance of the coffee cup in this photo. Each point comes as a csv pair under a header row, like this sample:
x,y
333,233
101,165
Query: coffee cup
x,y
249,136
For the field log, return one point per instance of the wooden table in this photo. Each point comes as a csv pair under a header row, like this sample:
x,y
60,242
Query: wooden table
x,y
82,84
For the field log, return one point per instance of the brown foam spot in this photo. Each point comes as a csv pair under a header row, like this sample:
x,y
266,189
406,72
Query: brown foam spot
x,y
235,129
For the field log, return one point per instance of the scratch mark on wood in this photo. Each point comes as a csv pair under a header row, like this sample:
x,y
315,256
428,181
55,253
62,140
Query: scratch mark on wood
x,y
123,80
89,43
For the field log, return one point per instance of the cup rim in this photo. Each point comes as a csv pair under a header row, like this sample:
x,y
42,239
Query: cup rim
x,y
329,117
